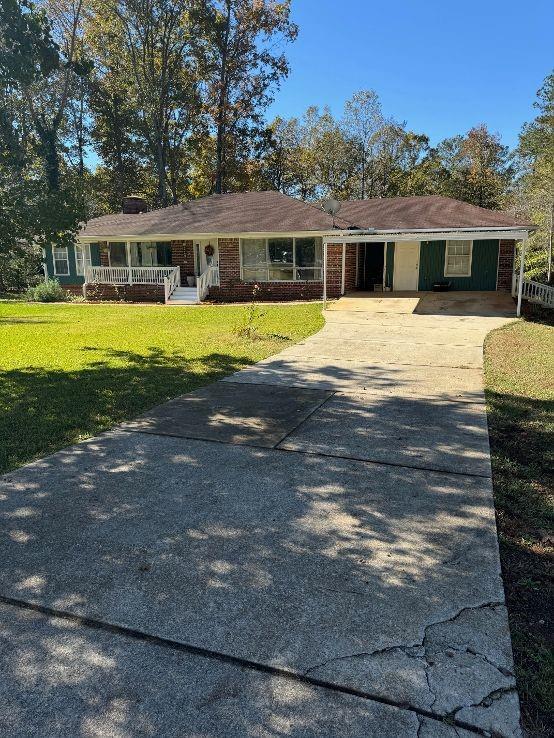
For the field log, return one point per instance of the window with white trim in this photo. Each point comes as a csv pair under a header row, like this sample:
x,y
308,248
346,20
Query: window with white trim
x,y
282,258
61,261
117,254
457,262
82,257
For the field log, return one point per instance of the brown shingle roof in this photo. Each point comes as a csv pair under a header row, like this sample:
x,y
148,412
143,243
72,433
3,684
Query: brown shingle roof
x,y
274,212
431,211
233,213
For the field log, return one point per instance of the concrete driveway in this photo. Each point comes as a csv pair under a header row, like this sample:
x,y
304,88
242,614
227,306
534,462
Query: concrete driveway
x,y
307,548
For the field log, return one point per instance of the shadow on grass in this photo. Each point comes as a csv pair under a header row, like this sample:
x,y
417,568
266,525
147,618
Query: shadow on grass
x,y
522,443
42,410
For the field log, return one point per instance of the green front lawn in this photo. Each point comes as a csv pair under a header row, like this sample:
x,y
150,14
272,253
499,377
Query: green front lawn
x,y
519,371
70,371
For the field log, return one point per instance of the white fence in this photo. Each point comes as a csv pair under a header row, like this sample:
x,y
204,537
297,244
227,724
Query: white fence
x,y
127,275
542,294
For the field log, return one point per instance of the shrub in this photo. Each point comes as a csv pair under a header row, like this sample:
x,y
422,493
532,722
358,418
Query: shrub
x,y
20,268
48,291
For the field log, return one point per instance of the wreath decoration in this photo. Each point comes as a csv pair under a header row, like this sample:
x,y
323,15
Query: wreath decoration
x,y
209,250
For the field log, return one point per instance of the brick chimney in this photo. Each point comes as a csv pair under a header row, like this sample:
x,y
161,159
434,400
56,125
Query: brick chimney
x,y
133,204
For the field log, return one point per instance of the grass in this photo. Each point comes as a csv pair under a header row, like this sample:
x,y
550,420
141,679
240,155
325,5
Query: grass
x,y
70,371
519,372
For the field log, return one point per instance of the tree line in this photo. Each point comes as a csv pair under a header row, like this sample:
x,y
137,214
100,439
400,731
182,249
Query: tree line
x,y
167,98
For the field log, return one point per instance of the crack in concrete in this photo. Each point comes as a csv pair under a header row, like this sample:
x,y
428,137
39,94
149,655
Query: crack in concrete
x,y
487,701
125,631
412,652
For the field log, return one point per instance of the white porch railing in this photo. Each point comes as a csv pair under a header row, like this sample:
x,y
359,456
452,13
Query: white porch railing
x,y
542,294
171,282
208,278
127,275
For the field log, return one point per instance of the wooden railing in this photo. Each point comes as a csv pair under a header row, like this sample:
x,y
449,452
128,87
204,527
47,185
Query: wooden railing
x,y
171,282
542,294
127,275
208,278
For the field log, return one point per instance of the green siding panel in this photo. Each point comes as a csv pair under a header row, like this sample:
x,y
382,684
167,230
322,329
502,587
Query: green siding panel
x,y
484,266
72,277
389,271
95,254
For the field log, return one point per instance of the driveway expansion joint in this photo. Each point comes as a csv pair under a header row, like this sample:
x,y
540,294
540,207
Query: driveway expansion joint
x,y
126,632
303,452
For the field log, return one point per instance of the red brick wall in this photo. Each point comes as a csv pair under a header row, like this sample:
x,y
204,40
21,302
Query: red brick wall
x,y
505,264
233,290
125,292
350,267
74,289
182,255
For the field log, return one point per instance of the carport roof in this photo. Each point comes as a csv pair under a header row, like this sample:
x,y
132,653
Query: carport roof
x,y
424,212
273,212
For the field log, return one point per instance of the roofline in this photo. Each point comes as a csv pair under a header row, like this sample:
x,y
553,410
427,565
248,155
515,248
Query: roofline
x,y
358,236
517,232
200,235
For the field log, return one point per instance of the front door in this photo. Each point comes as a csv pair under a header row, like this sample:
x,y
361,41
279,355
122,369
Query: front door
x,y
202,260
406,266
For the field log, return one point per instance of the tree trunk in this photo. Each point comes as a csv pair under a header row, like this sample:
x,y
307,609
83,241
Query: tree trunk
x,y
221,108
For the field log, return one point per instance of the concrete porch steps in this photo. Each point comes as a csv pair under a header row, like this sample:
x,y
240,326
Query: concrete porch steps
x,y
184,296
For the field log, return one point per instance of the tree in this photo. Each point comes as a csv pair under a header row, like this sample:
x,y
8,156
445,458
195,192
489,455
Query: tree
x,y
475,168
39,201
145,91
536,181
362,122
239,69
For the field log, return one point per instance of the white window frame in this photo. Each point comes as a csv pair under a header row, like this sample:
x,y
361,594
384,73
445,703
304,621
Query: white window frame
x,y
456,276
267,261
65,258
84,260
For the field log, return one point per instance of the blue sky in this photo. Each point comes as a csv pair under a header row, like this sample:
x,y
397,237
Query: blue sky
x,y
441,66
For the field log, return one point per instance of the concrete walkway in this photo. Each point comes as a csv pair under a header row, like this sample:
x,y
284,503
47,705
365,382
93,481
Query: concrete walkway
x,y
307,548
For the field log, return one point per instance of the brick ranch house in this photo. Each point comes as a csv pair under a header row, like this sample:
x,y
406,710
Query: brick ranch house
x,y
222,245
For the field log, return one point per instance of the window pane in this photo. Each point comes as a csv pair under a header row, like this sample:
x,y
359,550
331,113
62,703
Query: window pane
x,y
280,250
309,274
281,273
253,251
308,252
254,275
82,257
144,253
118,254
61,262
458,258
163,253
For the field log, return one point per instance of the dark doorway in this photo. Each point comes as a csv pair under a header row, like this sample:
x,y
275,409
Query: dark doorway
x,y
373,262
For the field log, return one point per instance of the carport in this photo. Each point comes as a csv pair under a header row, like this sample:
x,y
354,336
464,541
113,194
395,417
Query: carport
x,y
400,266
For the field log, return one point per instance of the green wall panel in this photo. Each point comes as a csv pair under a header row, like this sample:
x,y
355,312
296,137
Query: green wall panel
x,y
72,277
484,265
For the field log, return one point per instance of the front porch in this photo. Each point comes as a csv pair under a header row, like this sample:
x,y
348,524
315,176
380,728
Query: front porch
x,y
147,281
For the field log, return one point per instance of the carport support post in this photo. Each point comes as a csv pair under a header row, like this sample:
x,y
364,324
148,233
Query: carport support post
x,y
324,274
520,284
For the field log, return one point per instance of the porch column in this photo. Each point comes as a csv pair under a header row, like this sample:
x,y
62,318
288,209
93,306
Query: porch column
x,y
343,272
128,252
324,274
520,285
